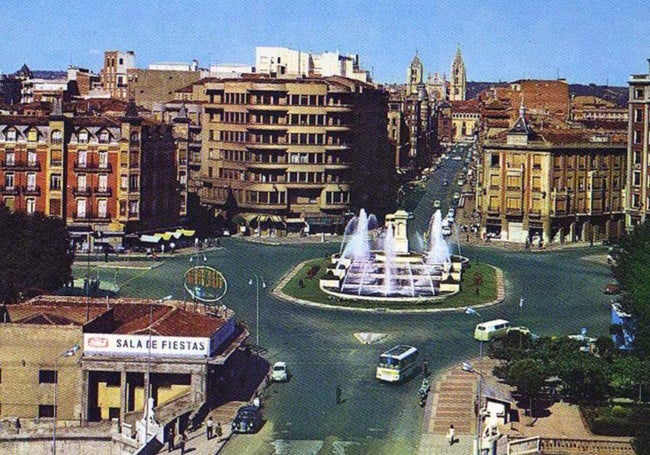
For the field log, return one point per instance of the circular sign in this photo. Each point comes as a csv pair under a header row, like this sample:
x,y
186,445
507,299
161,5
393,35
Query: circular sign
x,y
205,284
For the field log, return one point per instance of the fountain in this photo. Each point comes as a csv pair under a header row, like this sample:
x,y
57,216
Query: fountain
x,y
386,269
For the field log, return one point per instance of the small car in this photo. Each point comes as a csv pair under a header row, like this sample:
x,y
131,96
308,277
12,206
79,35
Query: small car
x,y
279,373
456,195
436,204
612,288
247,420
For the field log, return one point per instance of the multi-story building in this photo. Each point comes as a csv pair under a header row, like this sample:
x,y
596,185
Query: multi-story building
x,y
98,173
151,87
297,151
458,82
114,75
592,108
282,62
554,185
638,194
465,117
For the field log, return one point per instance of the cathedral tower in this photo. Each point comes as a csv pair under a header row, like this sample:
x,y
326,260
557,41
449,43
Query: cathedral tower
x,y
415,75
458,89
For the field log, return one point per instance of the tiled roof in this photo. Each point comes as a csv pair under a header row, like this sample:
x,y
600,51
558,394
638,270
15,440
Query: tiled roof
x,y
130,316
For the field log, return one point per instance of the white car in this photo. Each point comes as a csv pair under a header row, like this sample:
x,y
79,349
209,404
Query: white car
x,y
280,372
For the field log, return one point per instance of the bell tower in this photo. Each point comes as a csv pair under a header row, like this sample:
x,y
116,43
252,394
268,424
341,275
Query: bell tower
x,y
414,75
458,88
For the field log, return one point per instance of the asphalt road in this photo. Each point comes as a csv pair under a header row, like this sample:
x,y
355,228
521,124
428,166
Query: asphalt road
x,y
563,292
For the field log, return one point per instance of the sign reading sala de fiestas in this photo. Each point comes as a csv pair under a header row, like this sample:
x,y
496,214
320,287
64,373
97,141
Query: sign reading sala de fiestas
x,y
161,346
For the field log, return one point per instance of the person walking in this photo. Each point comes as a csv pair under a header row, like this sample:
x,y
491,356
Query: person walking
x,y
170,438
183,442
451,434
425,369
209,425
217,431
338,394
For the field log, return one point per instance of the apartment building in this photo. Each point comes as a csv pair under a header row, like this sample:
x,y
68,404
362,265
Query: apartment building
x,y
114,76
300,152
638,195
97,172
554,185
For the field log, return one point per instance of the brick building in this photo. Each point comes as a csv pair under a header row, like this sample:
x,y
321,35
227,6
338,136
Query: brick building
x,y
638,194
97,172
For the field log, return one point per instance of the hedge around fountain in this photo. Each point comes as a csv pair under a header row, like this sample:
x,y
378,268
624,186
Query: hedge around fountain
x,y
304,285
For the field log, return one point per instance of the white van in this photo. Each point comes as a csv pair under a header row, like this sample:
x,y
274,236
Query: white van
x,y
485,331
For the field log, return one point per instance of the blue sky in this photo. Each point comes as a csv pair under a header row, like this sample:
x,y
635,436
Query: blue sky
x,y
583,41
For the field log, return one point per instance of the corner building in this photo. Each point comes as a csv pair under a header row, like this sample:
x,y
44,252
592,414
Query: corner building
x,y
296,151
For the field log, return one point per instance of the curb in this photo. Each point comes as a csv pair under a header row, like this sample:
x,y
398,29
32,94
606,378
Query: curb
x,y
277,291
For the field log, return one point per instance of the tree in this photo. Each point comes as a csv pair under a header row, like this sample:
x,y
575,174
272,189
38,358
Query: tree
x,y
631,258
528,377
35,254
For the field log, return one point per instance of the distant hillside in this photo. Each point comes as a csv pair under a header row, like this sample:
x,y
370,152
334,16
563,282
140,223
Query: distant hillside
x,y
618,95
46,74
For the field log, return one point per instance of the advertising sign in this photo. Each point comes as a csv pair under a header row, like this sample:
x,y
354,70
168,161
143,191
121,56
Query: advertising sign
x,y
205,284
161,346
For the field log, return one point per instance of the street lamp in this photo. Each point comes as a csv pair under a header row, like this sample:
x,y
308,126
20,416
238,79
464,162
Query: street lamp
x,y
466,366
257,307
146,404
69,353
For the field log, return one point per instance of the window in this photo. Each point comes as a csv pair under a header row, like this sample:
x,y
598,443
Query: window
x,y
102,182
10,157
57,137
124,182
82,158
11,135
45,411
83,137
133,207
637,137
135,139
32,135
638,115
31,205
9,181
103,159
81,182
81,208
638,93
494,159
636,157
133,182
55,181
31,157
104,137
101,208
31,181
636,178
46,376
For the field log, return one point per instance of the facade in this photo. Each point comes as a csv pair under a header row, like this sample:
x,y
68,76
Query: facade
x,y
437,87
592,108
458,79
421,128
282,62
465,118
397,131
638,195
127,346
296,151
98,173
149,87
552,186
114,77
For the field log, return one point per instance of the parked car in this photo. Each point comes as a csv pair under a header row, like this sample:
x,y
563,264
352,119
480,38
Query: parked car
x,y
436,204
456,195
247,420
612,288
279,373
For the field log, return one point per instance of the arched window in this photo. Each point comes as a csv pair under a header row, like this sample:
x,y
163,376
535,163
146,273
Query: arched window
x,y
57,137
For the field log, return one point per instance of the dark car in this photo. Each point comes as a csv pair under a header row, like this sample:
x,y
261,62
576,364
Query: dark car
x,y
248,420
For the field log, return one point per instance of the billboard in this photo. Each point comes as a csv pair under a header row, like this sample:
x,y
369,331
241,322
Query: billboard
x,y
160,346
205,284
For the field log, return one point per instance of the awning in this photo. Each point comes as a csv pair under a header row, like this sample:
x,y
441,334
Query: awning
x,y
146,238
166,236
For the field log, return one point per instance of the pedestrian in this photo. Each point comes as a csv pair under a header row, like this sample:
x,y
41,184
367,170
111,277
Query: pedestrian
x,y
217,431
338,394
183,442
425,368
451,434
170,438
18,425
208,428
162,249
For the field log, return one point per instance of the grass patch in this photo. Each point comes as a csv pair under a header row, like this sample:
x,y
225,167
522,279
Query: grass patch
x,y
305,286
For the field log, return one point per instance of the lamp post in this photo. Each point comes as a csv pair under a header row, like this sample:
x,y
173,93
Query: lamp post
x,y
479,438
146,404
258,278
69,353
472,311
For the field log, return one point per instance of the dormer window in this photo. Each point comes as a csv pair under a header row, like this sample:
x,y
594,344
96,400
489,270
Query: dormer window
x,y
57,137
11,135
83,137
104,137
32,136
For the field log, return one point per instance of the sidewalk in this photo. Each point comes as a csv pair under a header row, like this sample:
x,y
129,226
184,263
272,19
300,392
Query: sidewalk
x,y
452,403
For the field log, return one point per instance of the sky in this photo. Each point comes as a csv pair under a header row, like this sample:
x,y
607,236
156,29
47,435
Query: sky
x,y
596,41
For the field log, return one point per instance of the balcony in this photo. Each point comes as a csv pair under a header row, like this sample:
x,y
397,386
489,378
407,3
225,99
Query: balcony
x,y
513,212
534,213
493,211
9,190
103,192
90,216
21,166
92,167
81,191
32,190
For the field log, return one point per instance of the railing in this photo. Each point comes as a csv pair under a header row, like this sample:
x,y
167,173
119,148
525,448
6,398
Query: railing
x,y
92,167
552,446
81,191
90,216
105,192
21,165
32,190
10,190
